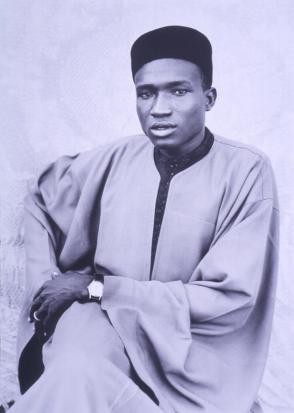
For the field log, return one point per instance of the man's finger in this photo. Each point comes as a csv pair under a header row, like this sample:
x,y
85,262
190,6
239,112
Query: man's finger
x,y
35,306
38,292
39,308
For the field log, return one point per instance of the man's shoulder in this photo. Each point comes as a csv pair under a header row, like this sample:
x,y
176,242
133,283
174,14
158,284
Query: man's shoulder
x,y
78,166
100,158
237,150
104,151
242,162
125,145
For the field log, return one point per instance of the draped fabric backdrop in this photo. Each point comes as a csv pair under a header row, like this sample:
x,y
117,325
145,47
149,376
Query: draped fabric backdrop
x,y
66,86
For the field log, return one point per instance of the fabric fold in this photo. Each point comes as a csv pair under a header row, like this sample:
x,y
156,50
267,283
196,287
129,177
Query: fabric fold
x,y
198,332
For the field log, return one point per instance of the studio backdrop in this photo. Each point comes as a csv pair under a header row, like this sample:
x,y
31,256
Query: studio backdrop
x,y
66,86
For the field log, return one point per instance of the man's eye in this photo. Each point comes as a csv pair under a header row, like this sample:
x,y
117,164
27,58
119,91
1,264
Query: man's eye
x,y
145,95
180,92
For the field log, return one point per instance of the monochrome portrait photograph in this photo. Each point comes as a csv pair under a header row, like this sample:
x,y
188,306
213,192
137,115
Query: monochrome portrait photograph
x,y
146,206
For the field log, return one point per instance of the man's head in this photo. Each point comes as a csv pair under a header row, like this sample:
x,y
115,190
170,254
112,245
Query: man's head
x,y
172,71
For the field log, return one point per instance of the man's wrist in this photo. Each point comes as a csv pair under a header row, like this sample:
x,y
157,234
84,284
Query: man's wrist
x,y
83,294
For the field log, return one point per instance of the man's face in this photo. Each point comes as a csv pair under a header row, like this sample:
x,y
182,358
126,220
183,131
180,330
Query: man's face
x,y
171,104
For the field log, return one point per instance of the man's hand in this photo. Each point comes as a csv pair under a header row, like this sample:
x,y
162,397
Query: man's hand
x,y
55,296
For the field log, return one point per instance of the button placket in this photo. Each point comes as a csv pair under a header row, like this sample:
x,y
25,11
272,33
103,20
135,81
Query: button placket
x,y
161,200
167,169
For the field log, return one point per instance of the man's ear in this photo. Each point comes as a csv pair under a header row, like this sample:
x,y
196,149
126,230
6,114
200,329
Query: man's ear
x,y
210,95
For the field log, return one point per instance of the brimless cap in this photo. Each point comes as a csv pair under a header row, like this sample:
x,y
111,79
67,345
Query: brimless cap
x,y
177,42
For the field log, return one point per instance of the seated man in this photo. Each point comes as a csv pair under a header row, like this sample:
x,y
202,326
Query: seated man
x,y
151,262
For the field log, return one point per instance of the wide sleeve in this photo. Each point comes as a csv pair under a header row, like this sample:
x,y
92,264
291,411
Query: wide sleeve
x,y
45,230
227,282
49,209
229,277
224,311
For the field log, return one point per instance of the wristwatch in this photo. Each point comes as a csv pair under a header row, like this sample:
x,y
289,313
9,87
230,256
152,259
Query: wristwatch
x,y
95,290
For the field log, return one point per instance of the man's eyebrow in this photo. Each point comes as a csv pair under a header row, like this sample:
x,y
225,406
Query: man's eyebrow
x,y
164,85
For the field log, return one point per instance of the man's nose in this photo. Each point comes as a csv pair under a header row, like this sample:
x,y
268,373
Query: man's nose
x,y
161,106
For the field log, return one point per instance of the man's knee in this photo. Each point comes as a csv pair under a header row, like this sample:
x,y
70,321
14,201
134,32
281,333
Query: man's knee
x,y
86,329
98,371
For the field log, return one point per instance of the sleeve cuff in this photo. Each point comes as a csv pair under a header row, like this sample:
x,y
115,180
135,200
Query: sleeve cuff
x,y
118,291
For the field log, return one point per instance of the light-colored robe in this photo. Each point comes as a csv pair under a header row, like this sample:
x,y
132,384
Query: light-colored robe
x,y
198,332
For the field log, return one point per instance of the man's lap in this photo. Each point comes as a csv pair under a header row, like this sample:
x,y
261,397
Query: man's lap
x,y
85,331
86,367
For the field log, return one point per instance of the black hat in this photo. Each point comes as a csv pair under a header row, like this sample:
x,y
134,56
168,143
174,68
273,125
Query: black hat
x,y
178,42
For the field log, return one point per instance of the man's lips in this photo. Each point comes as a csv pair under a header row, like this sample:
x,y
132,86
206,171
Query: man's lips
x,y
158,126
162,129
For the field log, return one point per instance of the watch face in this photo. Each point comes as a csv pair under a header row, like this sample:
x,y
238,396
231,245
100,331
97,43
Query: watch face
x,y
95,289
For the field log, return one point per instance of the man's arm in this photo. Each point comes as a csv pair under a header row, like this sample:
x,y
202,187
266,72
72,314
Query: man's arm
x,y
49,291
240,264
208,337
224,287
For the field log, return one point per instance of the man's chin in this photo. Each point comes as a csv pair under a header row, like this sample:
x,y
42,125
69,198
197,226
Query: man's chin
x,y
170,147
164,141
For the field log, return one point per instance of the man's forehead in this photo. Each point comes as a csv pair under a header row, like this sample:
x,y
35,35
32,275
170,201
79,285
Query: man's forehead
x,y
167,70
